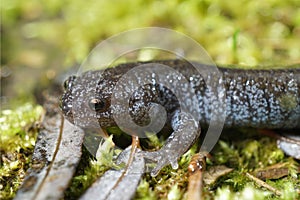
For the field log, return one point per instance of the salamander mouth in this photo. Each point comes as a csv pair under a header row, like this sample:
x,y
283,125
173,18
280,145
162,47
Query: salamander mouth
x,y
66,106
66,101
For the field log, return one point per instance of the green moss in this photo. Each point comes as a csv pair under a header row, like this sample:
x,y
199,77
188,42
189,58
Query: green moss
x,y
244,156
249,192
18,129
144,191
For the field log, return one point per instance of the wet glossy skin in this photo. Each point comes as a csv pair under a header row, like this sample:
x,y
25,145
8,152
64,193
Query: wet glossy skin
x,y
254,98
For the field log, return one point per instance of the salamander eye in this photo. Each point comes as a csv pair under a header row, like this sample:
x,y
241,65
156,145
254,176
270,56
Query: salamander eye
x,y
69,82
97,105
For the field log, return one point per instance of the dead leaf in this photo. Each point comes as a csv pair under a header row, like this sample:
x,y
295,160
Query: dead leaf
x,y
56,155
118,184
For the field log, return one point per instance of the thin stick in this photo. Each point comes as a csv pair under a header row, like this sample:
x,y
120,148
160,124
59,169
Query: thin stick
x,y
264,184
196,169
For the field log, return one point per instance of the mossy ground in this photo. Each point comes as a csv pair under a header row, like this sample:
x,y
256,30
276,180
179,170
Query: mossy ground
x,y
40,38
18,134
243,155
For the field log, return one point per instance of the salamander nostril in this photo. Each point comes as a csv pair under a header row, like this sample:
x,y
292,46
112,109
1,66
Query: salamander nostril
x,y
69,82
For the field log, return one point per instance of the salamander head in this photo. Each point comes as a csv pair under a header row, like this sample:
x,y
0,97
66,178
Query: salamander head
x,y
86,100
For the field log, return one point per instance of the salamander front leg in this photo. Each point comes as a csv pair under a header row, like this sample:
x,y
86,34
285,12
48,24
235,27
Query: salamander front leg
x,y
186,131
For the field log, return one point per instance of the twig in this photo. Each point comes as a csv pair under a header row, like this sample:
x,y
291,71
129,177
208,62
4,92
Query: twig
x,y
264,184
196,169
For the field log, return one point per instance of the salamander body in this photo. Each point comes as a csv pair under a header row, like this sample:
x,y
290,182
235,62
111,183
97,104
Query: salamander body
x,y
253,98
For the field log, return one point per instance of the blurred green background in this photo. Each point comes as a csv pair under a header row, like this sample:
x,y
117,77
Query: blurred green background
x,y
40,38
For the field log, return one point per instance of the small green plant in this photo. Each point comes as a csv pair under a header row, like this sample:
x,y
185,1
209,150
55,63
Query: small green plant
x,y
18,129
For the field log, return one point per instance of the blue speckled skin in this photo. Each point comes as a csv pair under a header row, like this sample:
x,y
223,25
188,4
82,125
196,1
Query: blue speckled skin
x,y
254,98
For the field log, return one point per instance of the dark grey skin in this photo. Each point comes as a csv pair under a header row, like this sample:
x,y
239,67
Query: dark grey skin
x,y
254,98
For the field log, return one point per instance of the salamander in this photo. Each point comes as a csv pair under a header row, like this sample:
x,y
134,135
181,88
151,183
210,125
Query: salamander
x,y
258,98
